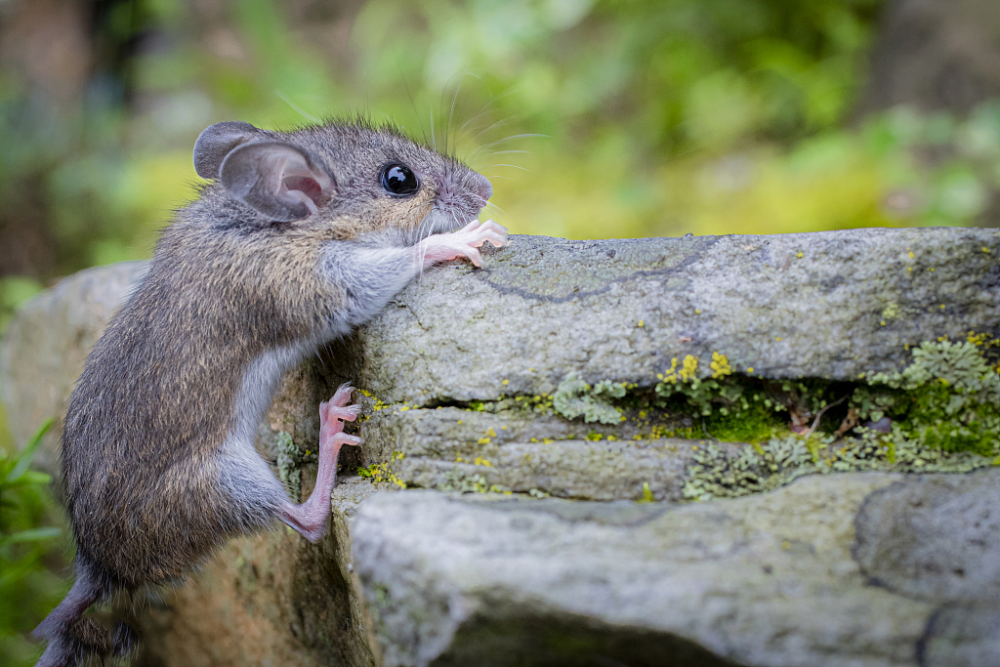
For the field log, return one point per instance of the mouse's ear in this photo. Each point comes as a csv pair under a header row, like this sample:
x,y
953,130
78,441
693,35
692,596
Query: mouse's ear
x,y
215,142
277,179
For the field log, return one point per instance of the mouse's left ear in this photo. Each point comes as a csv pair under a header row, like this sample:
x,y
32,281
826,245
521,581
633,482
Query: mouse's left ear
x,y
215,142
277,179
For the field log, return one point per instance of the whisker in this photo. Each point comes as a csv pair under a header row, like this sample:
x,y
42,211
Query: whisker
x,y
409,95
424,231
433,140
487,108
479,115
451,112
499,123
509,151
295,107
515,136
506,165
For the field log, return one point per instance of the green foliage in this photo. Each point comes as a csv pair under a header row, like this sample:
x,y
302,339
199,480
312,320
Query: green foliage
x,y
27,589
945,412
732,408
659,117
714,473
873,403
953,398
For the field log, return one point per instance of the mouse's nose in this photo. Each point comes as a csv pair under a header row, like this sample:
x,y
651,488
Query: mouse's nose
x,y
482,187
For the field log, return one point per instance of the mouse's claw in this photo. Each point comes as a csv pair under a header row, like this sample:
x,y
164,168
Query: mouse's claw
x,y
343,394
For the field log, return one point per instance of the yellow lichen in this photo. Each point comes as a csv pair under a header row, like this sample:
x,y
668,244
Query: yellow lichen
x,y
720,365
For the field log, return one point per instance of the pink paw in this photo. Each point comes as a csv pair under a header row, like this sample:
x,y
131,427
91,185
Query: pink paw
x,y
336,407
463,243
343,395
333,414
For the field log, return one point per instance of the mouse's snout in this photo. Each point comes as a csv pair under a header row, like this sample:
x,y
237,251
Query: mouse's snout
x,y
482,186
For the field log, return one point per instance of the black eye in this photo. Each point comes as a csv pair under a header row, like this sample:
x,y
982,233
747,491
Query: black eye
x,y
398,179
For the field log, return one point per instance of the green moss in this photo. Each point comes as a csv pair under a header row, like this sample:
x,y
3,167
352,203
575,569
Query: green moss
x,y
944,415
457,480
717,474
948,398
754,423
940,413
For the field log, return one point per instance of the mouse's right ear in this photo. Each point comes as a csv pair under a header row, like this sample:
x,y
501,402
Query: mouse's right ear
x,y
277,179
215,142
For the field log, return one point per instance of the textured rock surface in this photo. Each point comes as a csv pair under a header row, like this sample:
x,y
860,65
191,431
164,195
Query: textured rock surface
x,y
767,580
828,305
859,569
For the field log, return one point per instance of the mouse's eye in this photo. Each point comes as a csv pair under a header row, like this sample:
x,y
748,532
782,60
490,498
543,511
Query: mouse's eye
x,y
398,179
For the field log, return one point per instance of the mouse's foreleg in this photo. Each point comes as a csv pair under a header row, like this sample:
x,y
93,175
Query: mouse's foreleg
x,y
310,518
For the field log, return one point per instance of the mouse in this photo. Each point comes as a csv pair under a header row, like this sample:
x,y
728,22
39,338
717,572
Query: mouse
x,y
295,239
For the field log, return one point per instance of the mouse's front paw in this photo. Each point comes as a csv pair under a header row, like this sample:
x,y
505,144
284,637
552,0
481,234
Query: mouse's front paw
x,y
463,243
479,233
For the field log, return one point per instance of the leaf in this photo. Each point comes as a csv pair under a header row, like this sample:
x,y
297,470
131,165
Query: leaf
x,y
30,535
24,460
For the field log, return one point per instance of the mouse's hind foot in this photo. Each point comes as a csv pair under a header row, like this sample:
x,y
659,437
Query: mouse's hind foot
x,y
310,518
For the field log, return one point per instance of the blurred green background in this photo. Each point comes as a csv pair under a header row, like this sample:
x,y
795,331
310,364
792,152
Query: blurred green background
x,y
593,118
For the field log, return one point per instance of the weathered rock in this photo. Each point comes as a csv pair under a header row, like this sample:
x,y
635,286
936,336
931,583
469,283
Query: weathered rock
x,y
458,375
827,305
766,580
46,344
836,305
934,538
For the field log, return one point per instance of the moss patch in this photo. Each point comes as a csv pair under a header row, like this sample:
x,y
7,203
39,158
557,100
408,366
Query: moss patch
x,y
940,413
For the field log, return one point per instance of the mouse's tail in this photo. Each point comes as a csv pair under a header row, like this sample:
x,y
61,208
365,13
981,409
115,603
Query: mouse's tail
x,y
71,636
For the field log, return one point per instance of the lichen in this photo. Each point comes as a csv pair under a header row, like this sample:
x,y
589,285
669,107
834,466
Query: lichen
x,y
575,398
288,466
380,473
457,480
714,473
948,398
941,413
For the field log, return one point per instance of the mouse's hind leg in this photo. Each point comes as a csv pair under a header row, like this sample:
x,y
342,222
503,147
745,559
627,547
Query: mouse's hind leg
x,y
310,518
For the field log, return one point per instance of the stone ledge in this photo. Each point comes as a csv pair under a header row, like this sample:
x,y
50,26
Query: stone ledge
x,y
511,579
766,580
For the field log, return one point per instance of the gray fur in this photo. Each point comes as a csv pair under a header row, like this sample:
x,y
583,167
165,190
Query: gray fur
x,y
215,142
159,462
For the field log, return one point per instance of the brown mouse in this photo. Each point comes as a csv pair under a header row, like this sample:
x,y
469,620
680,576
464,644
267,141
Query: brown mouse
x,y
301,237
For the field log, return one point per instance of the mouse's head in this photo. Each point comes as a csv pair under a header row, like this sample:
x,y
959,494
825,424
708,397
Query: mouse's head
x,y
357,177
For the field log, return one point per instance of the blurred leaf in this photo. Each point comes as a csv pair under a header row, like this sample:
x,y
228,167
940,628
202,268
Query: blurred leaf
x,y
32,535
28,453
